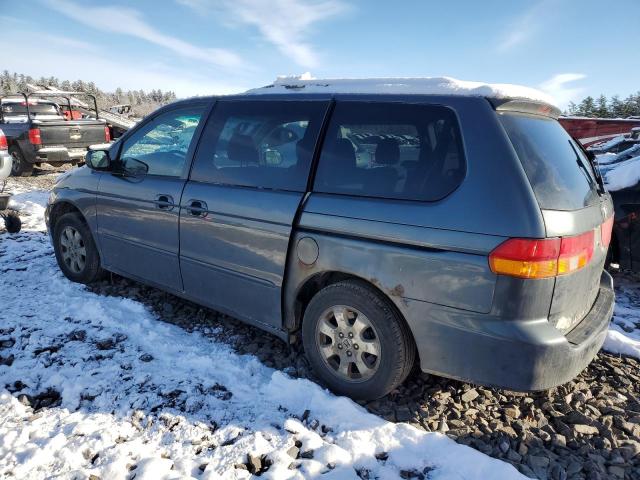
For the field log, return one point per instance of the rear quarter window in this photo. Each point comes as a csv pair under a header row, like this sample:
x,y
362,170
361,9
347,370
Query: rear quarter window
x,y
561,176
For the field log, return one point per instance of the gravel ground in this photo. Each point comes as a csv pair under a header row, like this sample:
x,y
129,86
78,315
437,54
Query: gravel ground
x,y
586,429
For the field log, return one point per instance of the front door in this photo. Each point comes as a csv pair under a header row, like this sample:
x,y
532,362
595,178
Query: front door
x,y
238,208
138,202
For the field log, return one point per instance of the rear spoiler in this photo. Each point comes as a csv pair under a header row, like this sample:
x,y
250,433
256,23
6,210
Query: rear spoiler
x,y
531,107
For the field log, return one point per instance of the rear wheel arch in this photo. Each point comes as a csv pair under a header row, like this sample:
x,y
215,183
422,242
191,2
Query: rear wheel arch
x,y
317,282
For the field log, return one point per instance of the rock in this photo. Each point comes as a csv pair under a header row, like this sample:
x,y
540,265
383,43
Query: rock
x,y
105,344
616,471
145,357
293,451
512,412
77,336
558,473
254,463
403,414
470,395
307,454
6,343
585,429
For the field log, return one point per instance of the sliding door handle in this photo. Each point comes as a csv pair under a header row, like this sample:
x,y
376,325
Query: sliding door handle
x,y
197,208
164,202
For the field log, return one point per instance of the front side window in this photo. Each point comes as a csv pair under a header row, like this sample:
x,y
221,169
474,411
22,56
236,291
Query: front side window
x,y
391,150
264,144
160,147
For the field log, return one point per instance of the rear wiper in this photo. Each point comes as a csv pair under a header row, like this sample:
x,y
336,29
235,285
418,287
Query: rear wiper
x,y
599,186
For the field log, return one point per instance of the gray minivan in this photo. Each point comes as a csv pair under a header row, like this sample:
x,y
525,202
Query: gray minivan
x,y
466,233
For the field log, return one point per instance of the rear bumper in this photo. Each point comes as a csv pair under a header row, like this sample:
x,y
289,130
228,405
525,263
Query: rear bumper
x,y
5,164
518,355
60,154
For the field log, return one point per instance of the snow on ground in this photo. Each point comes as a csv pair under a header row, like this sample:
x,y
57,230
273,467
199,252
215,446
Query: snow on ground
x,y
125,395
425,85
624,333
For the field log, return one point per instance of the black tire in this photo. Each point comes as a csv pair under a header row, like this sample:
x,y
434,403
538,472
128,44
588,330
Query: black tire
x,y
12,222
396,347
20,167
91,270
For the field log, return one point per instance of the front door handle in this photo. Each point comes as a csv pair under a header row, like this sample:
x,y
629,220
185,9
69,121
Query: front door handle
x,y
164,202
197,208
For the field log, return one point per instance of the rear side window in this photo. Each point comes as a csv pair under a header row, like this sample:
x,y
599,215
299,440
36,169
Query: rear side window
x,y
391,150
561,176
264,144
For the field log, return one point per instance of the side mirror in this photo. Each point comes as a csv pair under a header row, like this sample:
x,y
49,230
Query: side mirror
x,y
98,159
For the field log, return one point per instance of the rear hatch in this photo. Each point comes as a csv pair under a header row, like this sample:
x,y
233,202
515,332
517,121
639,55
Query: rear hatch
x,y
71,133
575,207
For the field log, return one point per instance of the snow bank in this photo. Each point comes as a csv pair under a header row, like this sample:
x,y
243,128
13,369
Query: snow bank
x,y
623,337
624,175
425,85
139,396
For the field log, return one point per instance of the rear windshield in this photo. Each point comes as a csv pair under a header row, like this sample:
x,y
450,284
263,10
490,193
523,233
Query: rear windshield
x,y
560,174
35,109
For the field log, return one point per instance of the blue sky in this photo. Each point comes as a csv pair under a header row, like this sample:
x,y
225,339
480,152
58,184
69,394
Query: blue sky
x,y
569,48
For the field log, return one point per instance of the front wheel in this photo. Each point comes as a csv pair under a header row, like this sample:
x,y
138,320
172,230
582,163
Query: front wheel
x,y
20,167
356,342
75,250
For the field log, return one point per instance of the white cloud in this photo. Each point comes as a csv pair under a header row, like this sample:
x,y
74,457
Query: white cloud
x,y
523,27
559,87
283,23
107,69
127,21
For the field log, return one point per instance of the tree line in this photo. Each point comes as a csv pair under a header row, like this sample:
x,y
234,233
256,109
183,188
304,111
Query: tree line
x,y
141,101
603,107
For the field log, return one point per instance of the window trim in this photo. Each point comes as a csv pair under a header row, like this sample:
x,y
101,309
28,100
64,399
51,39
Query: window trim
x,y
208,143
418,102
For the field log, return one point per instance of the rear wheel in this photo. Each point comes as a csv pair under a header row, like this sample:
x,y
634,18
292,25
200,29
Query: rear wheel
x,y
20,167
75,249
356,342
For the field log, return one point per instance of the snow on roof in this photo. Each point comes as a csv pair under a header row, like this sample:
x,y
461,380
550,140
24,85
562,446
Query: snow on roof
x,y
422,85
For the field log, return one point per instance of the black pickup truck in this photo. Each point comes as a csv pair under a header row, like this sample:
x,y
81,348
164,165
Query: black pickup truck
x,y
38,131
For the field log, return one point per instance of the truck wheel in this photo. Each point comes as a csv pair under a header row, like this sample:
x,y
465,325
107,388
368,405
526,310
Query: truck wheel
x,y
75,249
355,341
20,167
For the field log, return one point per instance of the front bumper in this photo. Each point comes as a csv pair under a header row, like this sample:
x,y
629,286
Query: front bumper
x,y
518,355
60,154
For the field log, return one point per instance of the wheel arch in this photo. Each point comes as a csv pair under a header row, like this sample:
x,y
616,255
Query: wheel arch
x,y
63,207
316,282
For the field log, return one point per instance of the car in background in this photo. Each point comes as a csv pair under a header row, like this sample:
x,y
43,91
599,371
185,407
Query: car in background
x,y
621,177
38,131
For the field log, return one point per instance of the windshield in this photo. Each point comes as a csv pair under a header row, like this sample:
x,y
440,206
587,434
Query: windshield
x,y
560,174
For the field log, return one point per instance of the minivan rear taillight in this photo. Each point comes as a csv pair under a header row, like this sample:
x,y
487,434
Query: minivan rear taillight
x,y
34,136
542,258
607,227
3,141
107,134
